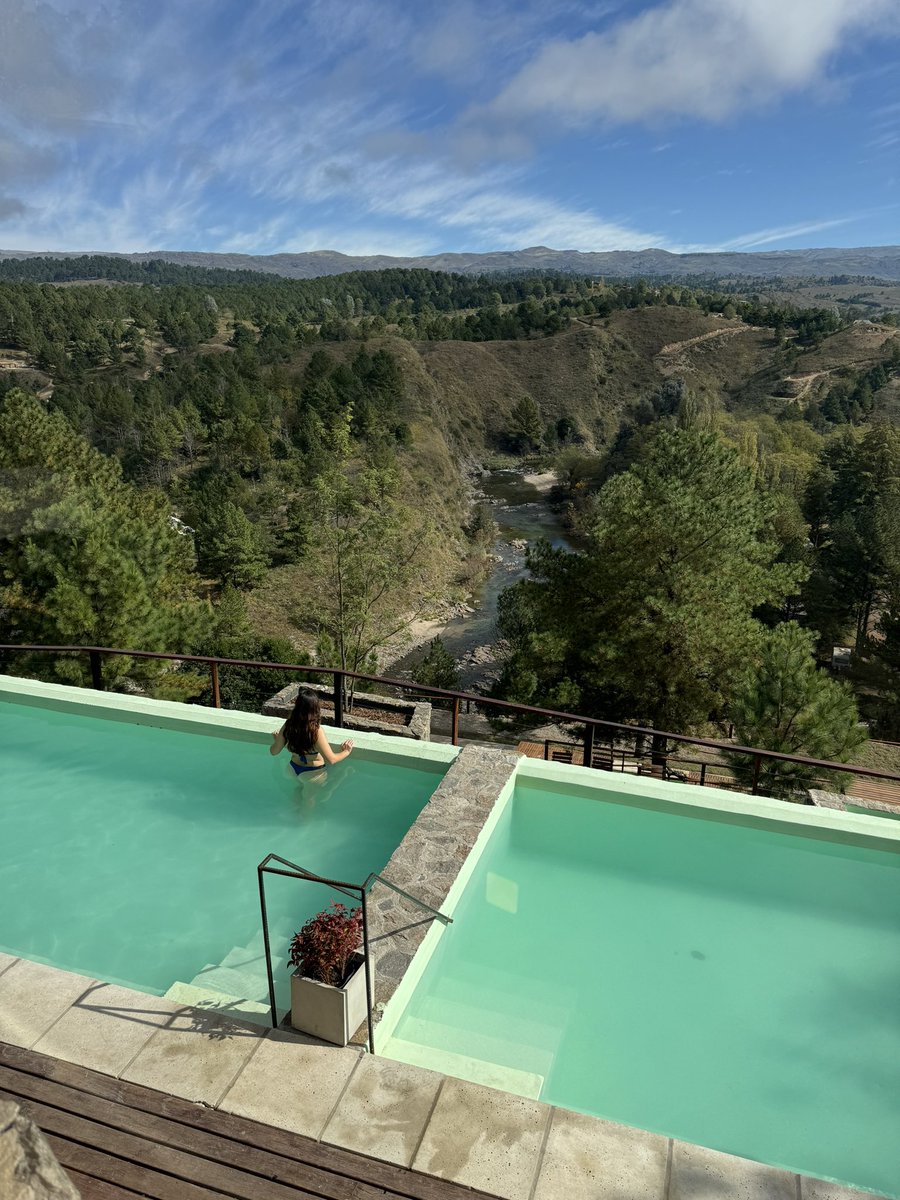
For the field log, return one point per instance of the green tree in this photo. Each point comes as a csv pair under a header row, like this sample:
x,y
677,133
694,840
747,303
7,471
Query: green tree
x,y
786,703
232,636
438,667
232,548
86,558
482,528
374,563
526,426
854,509
655,619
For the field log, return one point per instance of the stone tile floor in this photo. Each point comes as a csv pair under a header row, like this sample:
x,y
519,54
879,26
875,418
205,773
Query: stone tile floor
x,y
516,1148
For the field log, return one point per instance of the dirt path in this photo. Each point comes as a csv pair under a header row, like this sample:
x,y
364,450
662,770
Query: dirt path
x,y
805,382
674,348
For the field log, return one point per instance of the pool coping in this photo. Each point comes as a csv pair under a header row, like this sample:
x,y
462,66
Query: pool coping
x,y
212,722
646,791
481,1137
518,1148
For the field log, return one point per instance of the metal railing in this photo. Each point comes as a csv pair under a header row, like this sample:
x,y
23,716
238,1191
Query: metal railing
x,y
357,891
352,890
592,725
434,912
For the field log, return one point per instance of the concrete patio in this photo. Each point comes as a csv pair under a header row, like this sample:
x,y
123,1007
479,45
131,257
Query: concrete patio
x,y
502,1144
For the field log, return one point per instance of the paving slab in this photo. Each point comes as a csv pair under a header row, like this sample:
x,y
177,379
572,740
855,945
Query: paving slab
x,y
291,1082
6,960
384,1110
484,1139
197,1056
106,1027
701,1174
32,997
818,1189
589,1159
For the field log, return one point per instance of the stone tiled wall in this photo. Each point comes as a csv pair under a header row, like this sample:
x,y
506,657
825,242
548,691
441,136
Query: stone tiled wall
x,y
430,858
417,712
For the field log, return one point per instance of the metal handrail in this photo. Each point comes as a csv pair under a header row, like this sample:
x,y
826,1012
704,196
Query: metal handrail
x,y
339,674
353,890
442,917
360,891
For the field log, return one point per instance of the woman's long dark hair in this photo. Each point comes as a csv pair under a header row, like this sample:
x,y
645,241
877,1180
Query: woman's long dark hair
x,y
302,727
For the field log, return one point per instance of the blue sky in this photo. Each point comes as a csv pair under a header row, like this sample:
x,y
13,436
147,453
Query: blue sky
x,y
412,127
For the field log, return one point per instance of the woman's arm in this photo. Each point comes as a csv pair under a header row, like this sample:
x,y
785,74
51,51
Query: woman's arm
x,y
278,742
326,751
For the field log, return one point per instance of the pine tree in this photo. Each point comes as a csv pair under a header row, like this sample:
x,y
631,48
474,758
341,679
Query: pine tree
x,y
526,425
786,703
232,548
438,667
86,558
654,621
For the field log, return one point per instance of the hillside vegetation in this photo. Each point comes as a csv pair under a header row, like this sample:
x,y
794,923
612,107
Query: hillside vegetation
x,y
301,439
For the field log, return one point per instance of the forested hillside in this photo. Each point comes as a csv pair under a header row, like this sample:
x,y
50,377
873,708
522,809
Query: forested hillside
x,y
204,460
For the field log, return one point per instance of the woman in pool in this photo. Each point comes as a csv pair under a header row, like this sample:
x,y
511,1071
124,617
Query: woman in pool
x,y
304,737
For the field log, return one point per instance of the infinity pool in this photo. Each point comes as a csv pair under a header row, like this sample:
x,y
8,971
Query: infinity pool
x,y
718,979
128,853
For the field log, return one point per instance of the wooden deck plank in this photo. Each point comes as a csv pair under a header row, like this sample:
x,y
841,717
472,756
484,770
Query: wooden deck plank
x,y
138,1179
874,789
181,1164
262,1163
347,1168
99,1189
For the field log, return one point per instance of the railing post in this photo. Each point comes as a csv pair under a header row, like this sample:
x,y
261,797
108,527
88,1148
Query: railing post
x,y
454,723
339,699
757,763
370,999
702,774
214,675
96,670
273,1009
588,745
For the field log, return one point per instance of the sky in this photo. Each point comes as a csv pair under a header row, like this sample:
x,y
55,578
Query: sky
x,y
408,127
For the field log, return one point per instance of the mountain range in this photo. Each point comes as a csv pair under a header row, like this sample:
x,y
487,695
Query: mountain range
x,y
882,262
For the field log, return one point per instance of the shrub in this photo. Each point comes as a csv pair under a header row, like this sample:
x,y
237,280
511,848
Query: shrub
x,y
437,668
324,946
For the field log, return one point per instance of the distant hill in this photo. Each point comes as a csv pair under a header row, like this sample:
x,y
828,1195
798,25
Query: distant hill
x,y
877,262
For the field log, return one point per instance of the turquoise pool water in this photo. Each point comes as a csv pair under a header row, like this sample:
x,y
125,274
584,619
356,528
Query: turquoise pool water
x,y
128,853
872,812
726,984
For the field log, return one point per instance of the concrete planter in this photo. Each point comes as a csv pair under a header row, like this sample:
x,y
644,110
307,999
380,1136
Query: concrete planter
x,y
330,1013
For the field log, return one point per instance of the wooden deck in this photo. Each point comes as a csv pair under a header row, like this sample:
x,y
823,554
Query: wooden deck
x,y
118,1141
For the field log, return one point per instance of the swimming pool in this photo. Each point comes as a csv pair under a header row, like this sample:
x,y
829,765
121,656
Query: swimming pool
x,y
129,851
721,978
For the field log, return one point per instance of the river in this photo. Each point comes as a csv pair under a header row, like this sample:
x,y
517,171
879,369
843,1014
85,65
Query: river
x,y
521,512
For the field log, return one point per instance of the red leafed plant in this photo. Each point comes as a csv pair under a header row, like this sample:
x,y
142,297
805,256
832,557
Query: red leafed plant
x,y
324,946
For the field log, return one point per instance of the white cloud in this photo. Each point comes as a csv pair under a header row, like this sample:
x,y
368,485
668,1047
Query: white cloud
x,y
783,233
690,58
307,126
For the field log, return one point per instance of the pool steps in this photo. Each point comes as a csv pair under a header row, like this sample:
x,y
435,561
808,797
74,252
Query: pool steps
x,y
237,984
210,1000
462,1066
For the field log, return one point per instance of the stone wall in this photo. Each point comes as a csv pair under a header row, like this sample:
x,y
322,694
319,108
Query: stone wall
x,y
416,714
429,859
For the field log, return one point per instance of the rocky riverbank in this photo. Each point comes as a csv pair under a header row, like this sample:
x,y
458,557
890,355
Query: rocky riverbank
x,y
520,508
